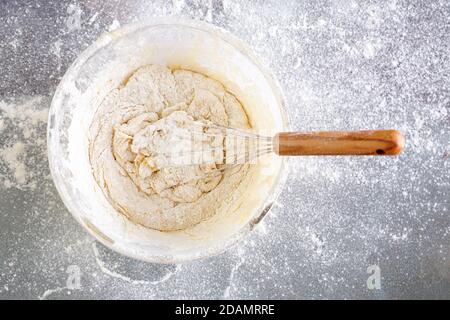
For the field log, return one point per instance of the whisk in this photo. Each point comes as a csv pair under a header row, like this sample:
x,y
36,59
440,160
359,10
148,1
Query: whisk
x,y
197,150
243,146
222,148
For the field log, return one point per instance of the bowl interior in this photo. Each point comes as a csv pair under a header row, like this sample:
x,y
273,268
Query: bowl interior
x,y
103,67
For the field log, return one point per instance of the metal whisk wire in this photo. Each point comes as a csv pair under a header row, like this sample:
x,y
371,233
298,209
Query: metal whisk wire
x,y
237,147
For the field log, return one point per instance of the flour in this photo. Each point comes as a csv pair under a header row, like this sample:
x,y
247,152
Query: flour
x,y
12,155
166,157
22,126
135,129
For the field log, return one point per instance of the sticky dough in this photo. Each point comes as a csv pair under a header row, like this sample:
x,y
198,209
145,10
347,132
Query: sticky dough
x,y
129,134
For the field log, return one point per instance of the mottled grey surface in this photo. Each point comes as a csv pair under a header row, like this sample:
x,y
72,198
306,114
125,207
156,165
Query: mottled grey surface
x,y
342,65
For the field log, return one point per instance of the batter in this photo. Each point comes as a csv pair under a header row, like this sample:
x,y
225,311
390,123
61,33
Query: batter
x,y
132,134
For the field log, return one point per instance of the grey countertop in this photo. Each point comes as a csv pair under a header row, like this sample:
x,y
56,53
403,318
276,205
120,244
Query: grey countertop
x,y
343,227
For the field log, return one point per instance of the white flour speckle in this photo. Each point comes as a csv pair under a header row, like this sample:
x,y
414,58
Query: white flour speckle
x,y
23,124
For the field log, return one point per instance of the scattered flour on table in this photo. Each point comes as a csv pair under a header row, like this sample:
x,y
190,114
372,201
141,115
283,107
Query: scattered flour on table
x,y
347,65
23,129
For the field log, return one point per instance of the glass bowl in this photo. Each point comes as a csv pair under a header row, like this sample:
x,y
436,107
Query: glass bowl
x,y
106,64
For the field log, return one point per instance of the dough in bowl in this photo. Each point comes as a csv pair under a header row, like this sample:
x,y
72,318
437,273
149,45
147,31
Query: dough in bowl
x,y
134,120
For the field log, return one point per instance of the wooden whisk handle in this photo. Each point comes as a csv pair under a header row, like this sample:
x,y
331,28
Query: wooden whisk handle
x,y
371,142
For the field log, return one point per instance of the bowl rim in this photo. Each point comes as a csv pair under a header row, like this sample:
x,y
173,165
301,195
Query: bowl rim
x,y
104,40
